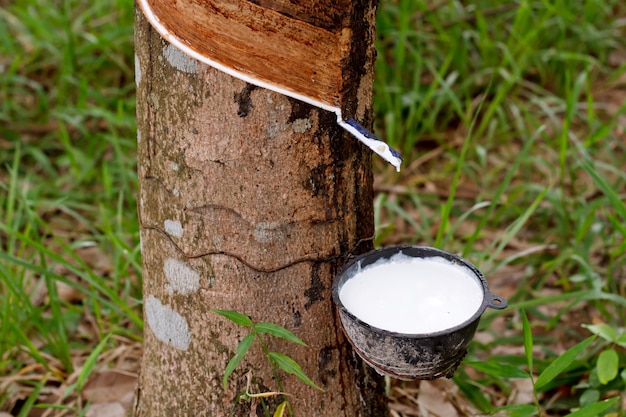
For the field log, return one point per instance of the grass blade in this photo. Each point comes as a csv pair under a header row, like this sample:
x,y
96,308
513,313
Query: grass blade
x,y
601,182
562,362
593,410
502,187
90,363
528,341
473,392
446,208
61,344
28,405
82,270
514,228
499,370
519,410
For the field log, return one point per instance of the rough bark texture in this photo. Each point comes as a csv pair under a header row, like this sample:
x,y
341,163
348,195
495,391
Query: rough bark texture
x,y
248,201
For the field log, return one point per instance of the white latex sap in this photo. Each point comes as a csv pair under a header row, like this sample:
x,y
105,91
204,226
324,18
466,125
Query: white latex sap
x,y
405,294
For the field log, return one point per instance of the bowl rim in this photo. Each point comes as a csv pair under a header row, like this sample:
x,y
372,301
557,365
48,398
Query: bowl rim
x,y
489,299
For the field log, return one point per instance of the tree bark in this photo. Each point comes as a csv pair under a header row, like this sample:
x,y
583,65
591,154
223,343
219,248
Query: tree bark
x,y
249,201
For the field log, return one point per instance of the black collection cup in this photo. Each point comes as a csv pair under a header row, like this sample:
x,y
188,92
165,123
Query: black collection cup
x,y
404,355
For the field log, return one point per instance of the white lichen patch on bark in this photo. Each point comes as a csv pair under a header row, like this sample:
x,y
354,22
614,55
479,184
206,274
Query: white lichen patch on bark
x,y
180,277
266,232
138,136
173,228
137,71
154,100
167,325
301,125
179,60
272,130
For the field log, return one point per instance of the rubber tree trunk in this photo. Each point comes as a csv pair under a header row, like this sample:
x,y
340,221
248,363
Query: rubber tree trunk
x,y
249,201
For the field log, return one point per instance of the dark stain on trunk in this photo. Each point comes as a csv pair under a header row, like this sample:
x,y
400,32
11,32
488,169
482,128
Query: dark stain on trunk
x,y
299,110
297,318
369,383
315,292
324,364
316,181
244,100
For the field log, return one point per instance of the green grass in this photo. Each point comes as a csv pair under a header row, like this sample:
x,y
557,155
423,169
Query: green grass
x,y
522,172
510,118
70,263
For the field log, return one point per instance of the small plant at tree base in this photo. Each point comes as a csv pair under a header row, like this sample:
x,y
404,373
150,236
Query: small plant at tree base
x,y
276,360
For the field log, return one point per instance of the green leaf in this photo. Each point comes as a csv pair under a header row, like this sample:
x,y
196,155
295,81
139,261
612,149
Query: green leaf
x,y
519,410
589,396
278,331
280,410
603,330
528,341
562,362
593,410
498,369
607,366
290,366
236,317
240,352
